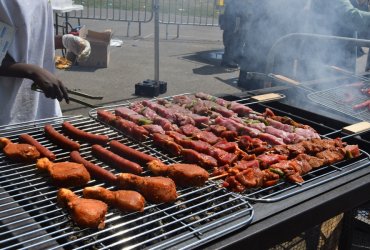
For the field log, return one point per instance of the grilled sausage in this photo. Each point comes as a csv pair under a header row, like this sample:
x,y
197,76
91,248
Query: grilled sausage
x,y
130,153
83,135
363,105
43,150
115,160
60,139
96,171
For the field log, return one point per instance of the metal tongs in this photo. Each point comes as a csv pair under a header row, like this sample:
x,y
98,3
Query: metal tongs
x,y
34,87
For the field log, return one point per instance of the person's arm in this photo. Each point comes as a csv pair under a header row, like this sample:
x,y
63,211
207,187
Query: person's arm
x,y
354,17
45,80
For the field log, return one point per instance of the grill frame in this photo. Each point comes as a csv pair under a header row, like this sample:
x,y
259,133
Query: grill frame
x,y
219,211
283,189
282,220
331,98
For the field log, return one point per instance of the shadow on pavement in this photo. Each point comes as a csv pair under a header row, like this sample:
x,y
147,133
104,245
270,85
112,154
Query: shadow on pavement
x,y
212,70
212,57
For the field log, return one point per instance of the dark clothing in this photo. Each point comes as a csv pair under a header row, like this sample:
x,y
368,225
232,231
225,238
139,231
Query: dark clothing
x,y
231,22
273,19
269,21
336,18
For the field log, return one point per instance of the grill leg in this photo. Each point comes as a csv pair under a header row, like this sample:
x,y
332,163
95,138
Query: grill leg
x,y
345,240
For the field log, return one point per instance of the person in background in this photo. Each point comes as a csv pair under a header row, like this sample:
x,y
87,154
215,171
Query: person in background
x,y
364,6
231,23
334,18
30,59
267,21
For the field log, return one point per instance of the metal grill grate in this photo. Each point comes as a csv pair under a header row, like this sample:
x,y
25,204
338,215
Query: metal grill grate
x,y
30,218
283,189
335,98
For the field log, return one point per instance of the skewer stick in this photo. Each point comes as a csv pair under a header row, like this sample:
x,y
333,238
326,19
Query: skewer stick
x,y
218,176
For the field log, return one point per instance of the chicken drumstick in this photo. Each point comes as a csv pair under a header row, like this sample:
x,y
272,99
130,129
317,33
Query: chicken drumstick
x,y
21,152
184,175
124,200
65,174
154,189
88,213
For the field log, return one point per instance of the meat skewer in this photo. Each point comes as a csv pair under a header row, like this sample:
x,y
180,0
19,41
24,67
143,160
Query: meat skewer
x,y
247,174
124,200
86,213
154,189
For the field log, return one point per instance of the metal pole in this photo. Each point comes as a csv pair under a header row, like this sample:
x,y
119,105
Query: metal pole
x,y
156,40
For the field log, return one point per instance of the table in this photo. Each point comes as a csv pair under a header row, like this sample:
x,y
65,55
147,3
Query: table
x,y
65,10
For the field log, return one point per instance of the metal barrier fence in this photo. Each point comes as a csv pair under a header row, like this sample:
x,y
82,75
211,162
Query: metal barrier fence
x,y
115,10
190,12
130,11
171,12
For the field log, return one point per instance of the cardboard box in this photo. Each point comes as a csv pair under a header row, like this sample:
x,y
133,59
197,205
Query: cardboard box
x,y
100,49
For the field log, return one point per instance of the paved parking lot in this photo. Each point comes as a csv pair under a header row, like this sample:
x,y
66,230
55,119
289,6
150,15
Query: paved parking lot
x,y
189,63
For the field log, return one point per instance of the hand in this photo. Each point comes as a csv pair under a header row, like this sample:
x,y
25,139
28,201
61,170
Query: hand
x,y
50,84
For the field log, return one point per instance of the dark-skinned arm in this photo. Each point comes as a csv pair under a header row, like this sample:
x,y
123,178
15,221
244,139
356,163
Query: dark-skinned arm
x,y
45,80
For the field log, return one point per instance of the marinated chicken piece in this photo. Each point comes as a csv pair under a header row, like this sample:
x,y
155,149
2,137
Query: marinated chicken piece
x,y
64,174
88,213
184,175
20,152
124,200
154,189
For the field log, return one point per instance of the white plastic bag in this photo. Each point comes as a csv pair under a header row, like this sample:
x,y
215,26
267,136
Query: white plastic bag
x,y
78,46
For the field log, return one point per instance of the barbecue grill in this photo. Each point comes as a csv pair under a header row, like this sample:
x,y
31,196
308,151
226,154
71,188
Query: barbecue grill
x,y
295,212
30,218
283,189
284,198
332,97
210,217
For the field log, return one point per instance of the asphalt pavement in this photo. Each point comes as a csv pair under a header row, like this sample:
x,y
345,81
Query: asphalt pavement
x,y
189,63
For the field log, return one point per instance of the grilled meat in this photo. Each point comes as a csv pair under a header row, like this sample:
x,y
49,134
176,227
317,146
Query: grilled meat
x,y
65,174
331,156
20,152
192,156
154,189
124,200
86,213
184,175
167,143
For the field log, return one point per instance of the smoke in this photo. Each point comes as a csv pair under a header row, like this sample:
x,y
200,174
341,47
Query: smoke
x,y
263,22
